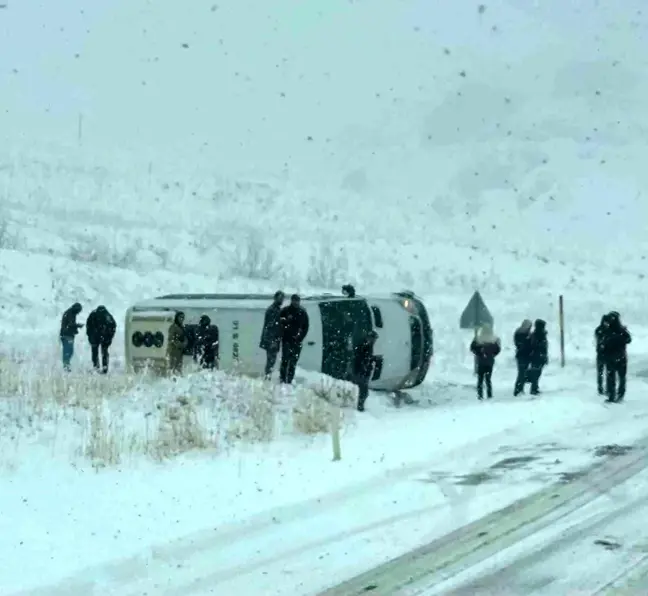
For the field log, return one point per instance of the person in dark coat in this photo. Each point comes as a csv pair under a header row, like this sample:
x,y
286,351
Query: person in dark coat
x,y
522,342
69,330
100,328
271,333
363,363
599,335
486,346
348,291
205,349
294,328
539,354
178,341
615,356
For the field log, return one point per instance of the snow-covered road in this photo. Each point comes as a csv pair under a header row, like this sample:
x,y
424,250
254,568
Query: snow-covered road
x,y
313,543
599,549
584,537
596,551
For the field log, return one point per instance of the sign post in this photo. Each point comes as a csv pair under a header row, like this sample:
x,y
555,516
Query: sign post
x,y
561,322
336,414
475,315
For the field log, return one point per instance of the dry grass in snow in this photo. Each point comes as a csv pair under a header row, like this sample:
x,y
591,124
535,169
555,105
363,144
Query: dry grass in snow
x,y
116,418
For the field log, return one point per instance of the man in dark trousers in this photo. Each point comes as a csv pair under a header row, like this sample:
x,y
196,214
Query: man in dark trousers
x,y
205,349
599,336
539,354
100,328
522,342
486,346
69,330
271,333
294,328
363,363
615,357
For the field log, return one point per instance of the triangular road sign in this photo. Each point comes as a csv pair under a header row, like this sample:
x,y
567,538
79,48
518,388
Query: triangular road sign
x,y
475,314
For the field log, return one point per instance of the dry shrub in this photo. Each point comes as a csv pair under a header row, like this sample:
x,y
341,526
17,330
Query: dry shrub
x,y
120,252
313,411
252,413
43,384
180,430
253,259
109,419
311,415
327,268
106,440
341,393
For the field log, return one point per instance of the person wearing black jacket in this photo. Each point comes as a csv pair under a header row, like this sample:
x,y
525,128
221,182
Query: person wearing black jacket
x,y
539,354
615,356
599,336
363,363
100,328
294,328
205,348
69,330
486,346
271,333
522,342
348,291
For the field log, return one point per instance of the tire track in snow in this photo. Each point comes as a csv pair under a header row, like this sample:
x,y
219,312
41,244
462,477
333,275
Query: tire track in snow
x,y
632,580
225,535
484,538
518,576
119,577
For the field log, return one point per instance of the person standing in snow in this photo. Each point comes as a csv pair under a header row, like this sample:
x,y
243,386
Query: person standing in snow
x,y
599,335
539,354
363,364
486,346
100,328
206,345
615,356
348,291
271,332
522,342
69,330
294,328
177,343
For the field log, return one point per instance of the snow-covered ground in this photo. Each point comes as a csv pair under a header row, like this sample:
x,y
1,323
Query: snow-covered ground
x,y
407,145
285,519
598,548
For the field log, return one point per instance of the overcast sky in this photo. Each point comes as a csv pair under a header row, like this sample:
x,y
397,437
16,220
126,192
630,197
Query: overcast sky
x,y
253,69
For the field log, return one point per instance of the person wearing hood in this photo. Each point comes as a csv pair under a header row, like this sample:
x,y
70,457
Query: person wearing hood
x,y
177,343
294,328
271,332
206,344
615,356
69,330
539,354
363,365
100,328
522,342
486,346
348,291
599,336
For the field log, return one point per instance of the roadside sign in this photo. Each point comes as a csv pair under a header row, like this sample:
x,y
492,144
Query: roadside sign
x,y
475,314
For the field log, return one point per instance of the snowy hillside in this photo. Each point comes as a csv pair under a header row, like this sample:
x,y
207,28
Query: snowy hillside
x,y
244,145
521,152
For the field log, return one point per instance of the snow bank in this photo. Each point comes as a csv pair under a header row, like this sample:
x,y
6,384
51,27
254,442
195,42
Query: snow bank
x,y
118,418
